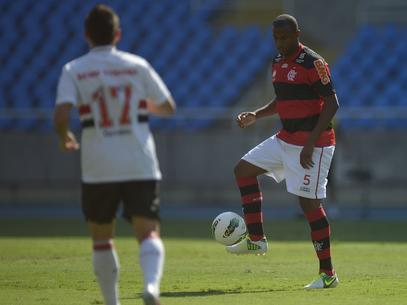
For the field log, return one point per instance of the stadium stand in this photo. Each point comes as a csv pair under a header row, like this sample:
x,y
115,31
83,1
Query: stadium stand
x,y
204,67
369,74
194,59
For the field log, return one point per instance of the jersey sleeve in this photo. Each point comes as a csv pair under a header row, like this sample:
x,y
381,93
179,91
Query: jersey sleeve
x,y
156,90
320,78
66,90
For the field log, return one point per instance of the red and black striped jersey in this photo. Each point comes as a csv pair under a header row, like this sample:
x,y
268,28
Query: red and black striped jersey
x,y
300,83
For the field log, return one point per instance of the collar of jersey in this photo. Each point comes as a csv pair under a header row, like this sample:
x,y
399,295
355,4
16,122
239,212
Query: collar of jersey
x,y
107,48
300,48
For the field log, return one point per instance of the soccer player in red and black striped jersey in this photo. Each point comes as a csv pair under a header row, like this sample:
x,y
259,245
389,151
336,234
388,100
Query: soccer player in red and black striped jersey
x,y
300,153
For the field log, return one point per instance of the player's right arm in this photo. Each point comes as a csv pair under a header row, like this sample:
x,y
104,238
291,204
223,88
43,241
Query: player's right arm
x,y
67,140
66,100
246,119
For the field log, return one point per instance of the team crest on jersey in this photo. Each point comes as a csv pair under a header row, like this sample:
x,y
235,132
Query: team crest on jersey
x,y
322,71
291,75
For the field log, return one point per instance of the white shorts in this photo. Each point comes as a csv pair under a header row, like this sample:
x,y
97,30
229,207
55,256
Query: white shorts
x,y
282,161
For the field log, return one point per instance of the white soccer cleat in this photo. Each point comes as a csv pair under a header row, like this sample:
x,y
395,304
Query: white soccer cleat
x,y
324,281
247,246
151,296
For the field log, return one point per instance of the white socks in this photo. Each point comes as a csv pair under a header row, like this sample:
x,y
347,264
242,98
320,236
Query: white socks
x,y
152,264
106,267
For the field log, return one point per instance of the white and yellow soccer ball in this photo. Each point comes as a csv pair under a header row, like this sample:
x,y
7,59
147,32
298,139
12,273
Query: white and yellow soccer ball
x,y
228,228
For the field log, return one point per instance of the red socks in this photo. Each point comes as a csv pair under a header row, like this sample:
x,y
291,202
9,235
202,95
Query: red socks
x,y
251,203
320,235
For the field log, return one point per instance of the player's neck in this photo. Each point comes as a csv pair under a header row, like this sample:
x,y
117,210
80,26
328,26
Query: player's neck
x,y
107,47
292,52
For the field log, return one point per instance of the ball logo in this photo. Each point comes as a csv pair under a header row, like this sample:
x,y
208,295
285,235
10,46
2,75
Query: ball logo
x,y
215,223
322,71
233,224
228,228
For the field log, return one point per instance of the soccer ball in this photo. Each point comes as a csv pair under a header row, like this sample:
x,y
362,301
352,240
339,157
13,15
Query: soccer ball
x,y
228,228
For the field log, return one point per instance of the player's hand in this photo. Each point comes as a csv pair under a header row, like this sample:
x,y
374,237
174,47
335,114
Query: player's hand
x,y
69,143
306,156
245,119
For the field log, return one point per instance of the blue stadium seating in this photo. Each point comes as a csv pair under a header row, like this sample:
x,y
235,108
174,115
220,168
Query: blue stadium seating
x,y
370,73
203,67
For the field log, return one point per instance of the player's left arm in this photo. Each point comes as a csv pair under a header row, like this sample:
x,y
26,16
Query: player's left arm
x,y
322,84
329,109
67,139
160,101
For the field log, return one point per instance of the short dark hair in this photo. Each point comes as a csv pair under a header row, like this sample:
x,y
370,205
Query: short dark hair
x,y
101,25
286,20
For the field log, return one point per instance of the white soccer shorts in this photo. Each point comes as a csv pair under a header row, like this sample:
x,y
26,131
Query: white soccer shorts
x,y
282,161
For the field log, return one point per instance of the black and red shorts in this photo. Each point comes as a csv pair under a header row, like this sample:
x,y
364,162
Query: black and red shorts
x,y
101,201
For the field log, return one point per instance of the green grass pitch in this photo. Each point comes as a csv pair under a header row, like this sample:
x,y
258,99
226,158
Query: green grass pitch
x,y
48,262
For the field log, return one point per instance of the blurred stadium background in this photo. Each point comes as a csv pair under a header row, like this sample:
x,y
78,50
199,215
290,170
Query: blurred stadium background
x,y
214,56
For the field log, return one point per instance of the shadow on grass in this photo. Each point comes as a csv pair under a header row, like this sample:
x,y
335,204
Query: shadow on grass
x,y
211,292
277,230
217,292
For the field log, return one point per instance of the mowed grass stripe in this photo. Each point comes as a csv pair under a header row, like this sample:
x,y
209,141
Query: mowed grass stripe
x,y
57,270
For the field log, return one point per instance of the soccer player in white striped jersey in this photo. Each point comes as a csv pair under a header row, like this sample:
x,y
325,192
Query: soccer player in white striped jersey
x,y
115,92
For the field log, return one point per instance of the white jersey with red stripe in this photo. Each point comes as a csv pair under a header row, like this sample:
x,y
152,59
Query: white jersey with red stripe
x,y
111,89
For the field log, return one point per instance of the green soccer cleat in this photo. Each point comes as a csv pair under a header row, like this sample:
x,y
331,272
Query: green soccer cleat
x,y
247,246
324,281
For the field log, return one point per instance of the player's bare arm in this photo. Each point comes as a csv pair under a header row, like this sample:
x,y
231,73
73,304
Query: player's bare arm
x,y
246,119
67,140
164,109
329,109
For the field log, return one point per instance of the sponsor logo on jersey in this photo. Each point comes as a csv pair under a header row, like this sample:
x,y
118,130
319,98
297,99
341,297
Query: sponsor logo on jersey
x,y
305,189
285,65
322,71
300,58
112,72
291,75
119,132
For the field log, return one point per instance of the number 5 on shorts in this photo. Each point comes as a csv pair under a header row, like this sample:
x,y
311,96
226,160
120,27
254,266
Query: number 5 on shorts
x,y
307,179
